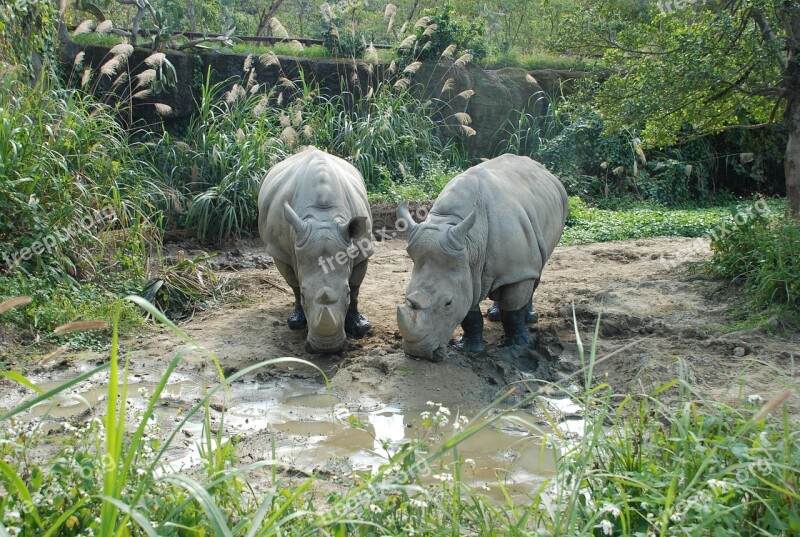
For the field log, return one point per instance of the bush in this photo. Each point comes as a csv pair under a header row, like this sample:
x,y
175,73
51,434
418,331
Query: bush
x,y
343,43
763,254
78,204
438,29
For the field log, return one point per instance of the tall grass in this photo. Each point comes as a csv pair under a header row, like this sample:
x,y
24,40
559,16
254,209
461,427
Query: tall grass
x,y
214,172
78,205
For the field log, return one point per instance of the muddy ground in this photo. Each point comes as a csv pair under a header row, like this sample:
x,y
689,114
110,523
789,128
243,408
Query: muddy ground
x,y
660,319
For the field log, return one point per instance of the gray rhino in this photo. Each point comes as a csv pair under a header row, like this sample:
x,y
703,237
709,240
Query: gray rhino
x,y
315,221
489,233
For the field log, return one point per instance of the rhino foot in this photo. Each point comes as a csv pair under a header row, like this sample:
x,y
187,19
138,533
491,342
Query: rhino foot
x,y
297,320
356,325
521,339
493,313
469,345
438,355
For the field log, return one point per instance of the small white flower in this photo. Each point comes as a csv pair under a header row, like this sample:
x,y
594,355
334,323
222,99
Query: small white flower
x,y
606,526
717,485
610,508
755,399
422,504
470,462
431,403
425,415
444,410
443,477
375,509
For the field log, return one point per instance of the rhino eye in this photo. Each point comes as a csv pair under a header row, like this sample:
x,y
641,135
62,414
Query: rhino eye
x,y
449,303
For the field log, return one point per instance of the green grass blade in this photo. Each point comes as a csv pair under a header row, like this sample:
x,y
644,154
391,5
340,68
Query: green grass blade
x,y
215,517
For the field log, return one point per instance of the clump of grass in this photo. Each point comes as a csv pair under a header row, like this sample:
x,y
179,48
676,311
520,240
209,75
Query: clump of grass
x,y
79,207
532,60
763,255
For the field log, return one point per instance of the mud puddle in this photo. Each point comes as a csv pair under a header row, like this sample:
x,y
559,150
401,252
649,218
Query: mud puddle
x,y
307,429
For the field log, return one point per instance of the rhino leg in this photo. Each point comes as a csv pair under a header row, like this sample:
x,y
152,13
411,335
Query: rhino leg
x,y
513,309
531,317
356,324
472,341
297,319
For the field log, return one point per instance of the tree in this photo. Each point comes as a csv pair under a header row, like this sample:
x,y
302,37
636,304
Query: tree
x,y
688,68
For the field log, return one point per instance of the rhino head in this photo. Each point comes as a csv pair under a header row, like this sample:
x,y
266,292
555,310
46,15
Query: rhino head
x,y
440,292
325,252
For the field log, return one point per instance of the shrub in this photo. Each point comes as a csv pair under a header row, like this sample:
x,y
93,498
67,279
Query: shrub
x,y
440,28
763,254
344,43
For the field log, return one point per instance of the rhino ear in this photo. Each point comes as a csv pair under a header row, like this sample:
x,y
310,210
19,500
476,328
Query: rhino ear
x,y
404,218
356,227
456,237
300,227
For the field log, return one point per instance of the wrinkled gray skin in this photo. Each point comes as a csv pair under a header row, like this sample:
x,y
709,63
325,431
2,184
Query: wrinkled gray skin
x,y
489,233
312,208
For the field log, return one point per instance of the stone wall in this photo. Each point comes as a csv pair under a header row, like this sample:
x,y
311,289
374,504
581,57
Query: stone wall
x,y
498,97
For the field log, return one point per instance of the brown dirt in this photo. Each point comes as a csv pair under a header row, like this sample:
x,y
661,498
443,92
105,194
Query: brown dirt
x,y
659,320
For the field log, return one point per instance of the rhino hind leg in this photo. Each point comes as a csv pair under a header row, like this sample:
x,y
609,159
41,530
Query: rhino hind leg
x,y
516,331
531,317
356,324
472,340
297,319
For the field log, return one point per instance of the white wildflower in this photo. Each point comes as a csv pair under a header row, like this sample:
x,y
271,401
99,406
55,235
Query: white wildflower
x,y
422,504
606,526
444,410
375,509
444,478
755,399
611,508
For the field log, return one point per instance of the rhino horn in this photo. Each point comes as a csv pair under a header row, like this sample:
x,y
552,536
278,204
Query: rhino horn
x,y
457,235
327,325
405,321
297,223
419,300
404,216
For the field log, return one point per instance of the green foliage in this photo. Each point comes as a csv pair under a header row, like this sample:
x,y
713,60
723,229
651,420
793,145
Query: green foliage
x,y
706,68
28,35
591,224
78,204
213,174
532,60
343,43
763,254
439,28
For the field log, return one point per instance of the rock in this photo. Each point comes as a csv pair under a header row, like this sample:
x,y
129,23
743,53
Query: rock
x,y
739,352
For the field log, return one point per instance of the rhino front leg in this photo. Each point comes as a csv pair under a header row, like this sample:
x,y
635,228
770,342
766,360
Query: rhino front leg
x,y
513,309
472,340
297,319
356,324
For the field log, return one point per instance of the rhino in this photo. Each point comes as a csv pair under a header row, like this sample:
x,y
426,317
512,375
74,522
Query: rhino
x,y
489,234
314,218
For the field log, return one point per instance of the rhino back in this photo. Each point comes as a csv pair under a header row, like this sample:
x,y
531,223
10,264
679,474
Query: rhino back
x,y
314,183
521,208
